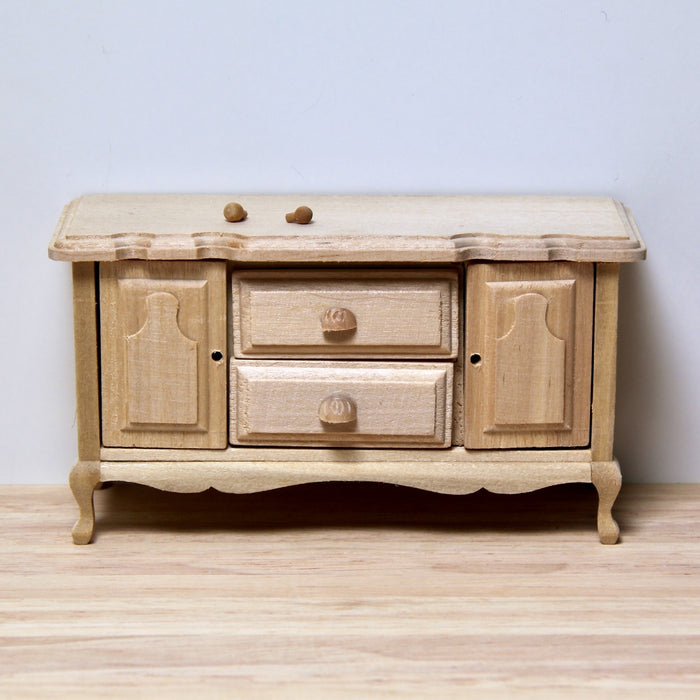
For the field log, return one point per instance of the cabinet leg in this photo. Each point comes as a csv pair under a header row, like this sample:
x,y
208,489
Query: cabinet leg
x,y
607,479
84,478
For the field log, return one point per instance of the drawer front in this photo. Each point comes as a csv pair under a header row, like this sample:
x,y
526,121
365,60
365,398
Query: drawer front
x,y
349,313
341,403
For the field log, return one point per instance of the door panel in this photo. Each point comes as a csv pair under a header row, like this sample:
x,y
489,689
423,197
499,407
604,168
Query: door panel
x,y
161,368
528,344
163,348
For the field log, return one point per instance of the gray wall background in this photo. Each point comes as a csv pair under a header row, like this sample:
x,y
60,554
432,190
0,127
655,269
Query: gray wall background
x,y
530,96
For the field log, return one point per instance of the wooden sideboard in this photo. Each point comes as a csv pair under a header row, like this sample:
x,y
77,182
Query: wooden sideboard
x,y
448,343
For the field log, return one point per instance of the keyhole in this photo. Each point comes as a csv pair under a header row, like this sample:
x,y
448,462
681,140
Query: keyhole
x,y
217,356
475,358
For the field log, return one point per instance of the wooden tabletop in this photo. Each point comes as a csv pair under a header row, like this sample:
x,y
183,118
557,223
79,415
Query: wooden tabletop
x,y
350,590
347,229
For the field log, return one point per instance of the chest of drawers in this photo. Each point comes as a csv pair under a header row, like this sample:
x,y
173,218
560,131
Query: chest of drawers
x,y
444,343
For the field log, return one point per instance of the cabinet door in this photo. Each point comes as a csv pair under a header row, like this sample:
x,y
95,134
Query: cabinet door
x,y
528,349
163,348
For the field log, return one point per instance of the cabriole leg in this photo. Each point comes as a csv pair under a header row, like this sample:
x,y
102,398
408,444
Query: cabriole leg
x,y
84,477
607,479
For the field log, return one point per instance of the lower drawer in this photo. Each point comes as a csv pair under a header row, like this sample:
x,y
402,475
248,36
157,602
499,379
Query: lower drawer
x,y
358,404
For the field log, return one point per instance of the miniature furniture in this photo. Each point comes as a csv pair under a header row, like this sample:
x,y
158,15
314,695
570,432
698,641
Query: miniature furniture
x,y
444,343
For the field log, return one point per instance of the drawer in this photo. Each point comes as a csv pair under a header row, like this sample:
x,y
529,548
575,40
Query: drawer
x,y
341,403
360,314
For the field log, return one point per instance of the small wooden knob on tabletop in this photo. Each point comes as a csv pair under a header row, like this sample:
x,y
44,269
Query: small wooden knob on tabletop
x,y
301,215
233,211
337,408
337,319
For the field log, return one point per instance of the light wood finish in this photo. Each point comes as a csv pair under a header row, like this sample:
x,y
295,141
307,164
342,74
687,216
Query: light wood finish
x,y
301,215
350,591
338,320
607,478
458,384
161,322
447,477
348,313
161,368
418,229
605,365
86,360
528,347
356,454
399,265
455,477
251,470
338,409
84,479
234,212
284,403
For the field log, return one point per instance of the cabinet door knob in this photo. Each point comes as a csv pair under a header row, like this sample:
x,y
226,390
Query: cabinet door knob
x,y
233,212
337,408
301,215
337,319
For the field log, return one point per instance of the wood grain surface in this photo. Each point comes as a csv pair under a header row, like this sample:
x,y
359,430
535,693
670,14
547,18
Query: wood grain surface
x,y
401,229
160,323
394,313
276,402
529,328
350,590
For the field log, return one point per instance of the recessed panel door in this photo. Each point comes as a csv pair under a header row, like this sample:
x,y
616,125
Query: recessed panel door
x,y
528,354
163,349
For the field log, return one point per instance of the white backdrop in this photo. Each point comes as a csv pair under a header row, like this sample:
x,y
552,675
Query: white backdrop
x,y
369,96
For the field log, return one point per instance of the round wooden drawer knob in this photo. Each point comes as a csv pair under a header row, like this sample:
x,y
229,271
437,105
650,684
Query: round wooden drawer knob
x,y
233,212
337,408
301,215
337,319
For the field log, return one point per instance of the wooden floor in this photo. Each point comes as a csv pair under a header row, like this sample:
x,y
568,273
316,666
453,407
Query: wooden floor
x,y
354,590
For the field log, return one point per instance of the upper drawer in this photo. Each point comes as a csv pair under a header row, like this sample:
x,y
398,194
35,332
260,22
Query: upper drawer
x,y
348,313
